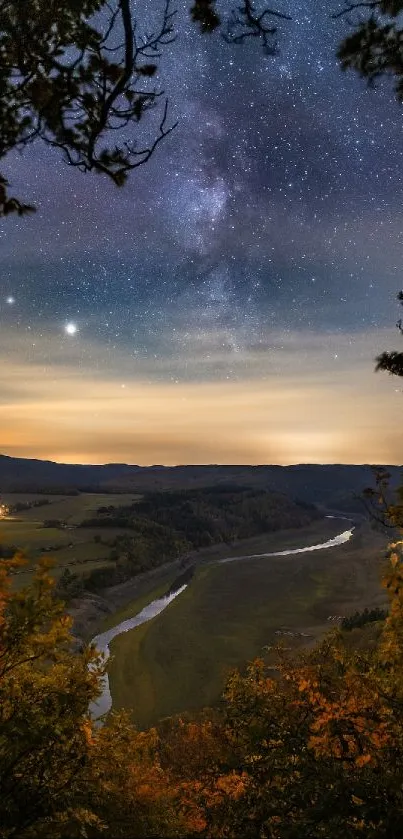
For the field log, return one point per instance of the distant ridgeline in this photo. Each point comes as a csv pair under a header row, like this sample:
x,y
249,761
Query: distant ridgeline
x,y
168,525
331,484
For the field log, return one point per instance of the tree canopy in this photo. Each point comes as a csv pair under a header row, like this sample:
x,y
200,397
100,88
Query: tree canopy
x,y
309,747
61,776
374,47
81,77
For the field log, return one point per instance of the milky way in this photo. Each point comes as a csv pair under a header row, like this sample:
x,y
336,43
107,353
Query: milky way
x,y
262,243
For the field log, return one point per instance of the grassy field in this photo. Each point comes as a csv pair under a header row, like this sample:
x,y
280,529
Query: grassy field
x,y
71,547
69,508
78,549
149,590
229,613
314,533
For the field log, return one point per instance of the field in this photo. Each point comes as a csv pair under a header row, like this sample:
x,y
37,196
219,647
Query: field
x,y
70,508
70,546
231,612
228,614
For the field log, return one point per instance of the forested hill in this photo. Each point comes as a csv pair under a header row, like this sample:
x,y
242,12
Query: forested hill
x,y
329,484
204,517
167,526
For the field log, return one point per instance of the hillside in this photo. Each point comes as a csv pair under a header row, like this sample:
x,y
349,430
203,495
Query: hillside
x,y
102,539
165,526
231,613
332,485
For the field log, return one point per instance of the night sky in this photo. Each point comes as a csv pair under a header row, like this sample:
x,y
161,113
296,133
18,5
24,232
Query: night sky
x,y
227,304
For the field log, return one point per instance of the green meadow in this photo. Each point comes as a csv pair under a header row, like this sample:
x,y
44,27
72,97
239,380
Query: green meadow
x,y
231,612
78,549
69,508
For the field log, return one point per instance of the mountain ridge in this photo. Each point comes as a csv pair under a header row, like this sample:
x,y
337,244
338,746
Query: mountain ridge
x,y
326,483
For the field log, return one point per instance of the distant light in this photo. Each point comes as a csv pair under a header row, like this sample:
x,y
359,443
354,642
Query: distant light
x,y
70,328
10,300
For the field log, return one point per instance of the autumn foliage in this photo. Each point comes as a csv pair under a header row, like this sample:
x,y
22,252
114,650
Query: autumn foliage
x,y
311,749
316,750
60,776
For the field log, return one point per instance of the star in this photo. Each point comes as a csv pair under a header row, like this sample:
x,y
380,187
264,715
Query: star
x,y
261,242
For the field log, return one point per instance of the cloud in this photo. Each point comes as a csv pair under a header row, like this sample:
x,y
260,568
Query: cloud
x,y
296,403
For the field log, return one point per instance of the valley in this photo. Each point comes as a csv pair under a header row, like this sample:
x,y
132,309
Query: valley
x,y
231,613
115,553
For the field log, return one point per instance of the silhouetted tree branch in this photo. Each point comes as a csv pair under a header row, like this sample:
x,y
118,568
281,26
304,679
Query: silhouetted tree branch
x,y
383,504
71,77
392,362
246,22
205,14
375,46
73,73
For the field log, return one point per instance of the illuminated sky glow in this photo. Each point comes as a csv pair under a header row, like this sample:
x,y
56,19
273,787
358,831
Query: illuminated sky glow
x,y
227,305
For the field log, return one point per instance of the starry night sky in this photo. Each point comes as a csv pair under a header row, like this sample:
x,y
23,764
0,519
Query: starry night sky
x,y
227,304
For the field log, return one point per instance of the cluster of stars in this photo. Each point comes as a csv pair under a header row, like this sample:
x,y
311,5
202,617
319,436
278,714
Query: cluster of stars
x,y
274,207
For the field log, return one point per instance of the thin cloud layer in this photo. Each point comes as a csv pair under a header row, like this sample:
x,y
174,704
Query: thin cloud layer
x,y
293,402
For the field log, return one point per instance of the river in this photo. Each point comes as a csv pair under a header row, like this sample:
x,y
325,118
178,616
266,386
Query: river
x,y
102,641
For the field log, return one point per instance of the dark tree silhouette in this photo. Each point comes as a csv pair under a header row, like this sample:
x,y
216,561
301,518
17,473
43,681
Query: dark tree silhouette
x,y
375,46
392,362
79,73
246,22
73,73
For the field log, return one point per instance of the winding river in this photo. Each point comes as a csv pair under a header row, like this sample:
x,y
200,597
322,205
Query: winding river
x,y
104,703
102,641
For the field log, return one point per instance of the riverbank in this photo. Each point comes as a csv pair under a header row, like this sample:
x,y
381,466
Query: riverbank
x,y
103,640
93,613
233,612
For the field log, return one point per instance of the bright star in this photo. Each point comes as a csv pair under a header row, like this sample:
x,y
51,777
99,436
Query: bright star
x,y
10,300
70,328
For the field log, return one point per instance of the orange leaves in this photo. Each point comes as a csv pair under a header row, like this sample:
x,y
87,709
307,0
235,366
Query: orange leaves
x,y
232,785
86,728
363,760
277,758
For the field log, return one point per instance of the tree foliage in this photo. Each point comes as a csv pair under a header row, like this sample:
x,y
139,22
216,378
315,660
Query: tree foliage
x,y
359,619
80,76
392,361
165,526
59,775
44,696
312,746
316,750
375,46
72,74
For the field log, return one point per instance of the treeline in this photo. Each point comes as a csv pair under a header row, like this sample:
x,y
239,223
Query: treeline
x,y
40,489
209,516
225,514
147,546
20,506
315,752
359,619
